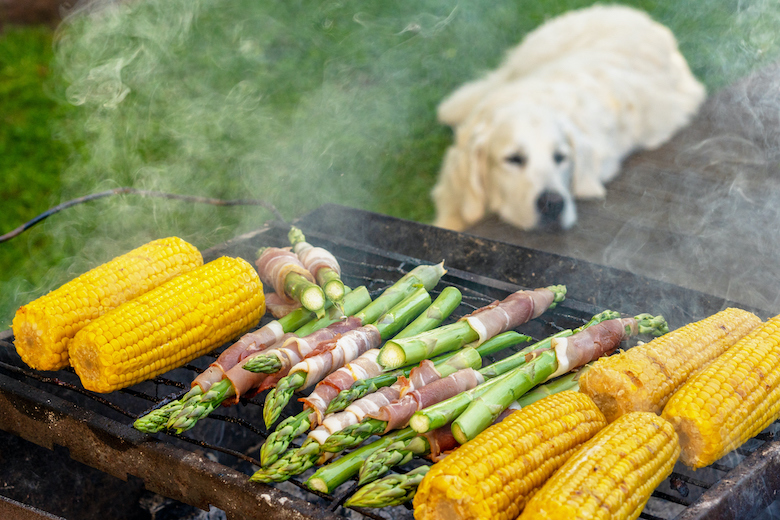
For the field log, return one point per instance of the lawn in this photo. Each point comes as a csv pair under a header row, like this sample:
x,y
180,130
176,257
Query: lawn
x,y
296,103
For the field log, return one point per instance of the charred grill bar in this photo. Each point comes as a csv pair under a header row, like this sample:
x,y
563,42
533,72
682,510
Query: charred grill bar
x,y
211,463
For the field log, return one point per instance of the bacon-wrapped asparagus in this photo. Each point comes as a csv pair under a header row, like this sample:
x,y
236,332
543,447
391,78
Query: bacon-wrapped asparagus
x,y
250,343
313,367
297,461
426,276
320,263
437,443
292,282
479,326
565,354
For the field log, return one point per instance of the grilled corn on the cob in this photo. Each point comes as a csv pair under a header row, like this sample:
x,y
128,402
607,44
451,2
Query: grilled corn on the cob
x,y
44,327
643,378
168,326
731,400
494,475
611,476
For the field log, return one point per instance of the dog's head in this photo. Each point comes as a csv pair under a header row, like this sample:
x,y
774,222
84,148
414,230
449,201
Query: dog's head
x,y
518,163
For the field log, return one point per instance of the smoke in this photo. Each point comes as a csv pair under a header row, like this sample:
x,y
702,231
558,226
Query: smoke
x,y
297,103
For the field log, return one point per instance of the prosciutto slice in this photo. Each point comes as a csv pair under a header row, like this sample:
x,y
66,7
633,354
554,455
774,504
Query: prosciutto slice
x,y
315,258
364,367
336,353
273,266
278,307
591,343
420,376
251,342
289,352
510,313
398,413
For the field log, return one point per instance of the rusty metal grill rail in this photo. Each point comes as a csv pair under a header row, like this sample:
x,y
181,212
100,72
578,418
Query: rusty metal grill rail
x,y
225,444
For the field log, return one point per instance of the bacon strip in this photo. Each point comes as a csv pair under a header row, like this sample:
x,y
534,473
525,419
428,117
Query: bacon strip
x,y
289,352
510,313
251,342
398,413
421,375
337,352
591,343
273,266
363,367
315,258
278,307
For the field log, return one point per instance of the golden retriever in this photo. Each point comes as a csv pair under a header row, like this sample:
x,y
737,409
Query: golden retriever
x,y
555,120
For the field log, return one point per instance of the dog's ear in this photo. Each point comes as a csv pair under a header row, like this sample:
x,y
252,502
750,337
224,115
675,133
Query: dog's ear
x,y
456,107
586,181
460,195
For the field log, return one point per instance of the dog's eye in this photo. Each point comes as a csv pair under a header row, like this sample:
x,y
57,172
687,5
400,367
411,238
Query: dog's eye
x,y
516,159
559,157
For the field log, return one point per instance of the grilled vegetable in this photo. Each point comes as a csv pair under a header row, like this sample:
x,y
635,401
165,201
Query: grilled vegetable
x,y
168,326
611,476
644,377
494,475
292,282
731,400
343,350
564,355
392,490
481,325
44,327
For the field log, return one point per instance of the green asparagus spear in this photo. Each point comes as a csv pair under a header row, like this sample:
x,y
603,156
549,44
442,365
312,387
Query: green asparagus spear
x,y
329,477
280,439
392,490
292,463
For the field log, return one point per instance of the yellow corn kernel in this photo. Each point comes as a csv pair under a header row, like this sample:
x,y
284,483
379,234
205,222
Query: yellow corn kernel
x,y
644,377
182,319
731,400
611,476
493,475
44,327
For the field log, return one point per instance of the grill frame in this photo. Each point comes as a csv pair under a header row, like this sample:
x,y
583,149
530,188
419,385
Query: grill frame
x,y
111,445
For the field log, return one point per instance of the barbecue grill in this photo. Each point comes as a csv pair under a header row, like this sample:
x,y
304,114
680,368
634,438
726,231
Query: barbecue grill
x,y
211,463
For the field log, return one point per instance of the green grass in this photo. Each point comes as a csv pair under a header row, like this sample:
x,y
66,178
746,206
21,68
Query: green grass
x,y
298,103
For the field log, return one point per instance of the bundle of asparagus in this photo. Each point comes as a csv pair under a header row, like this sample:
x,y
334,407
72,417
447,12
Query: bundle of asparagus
x,y
365,366
293,284
478,327
563,354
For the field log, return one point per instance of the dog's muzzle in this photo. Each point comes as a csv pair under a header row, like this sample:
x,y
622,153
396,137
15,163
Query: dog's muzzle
x,y
550,205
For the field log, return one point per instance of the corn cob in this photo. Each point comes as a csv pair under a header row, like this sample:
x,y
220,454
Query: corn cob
x,y
731,400
44,327
612,475
643,378
168,326
494,475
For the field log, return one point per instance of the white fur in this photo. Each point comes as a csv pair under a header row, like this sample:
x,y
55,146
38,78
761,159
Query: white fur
x,y
592,85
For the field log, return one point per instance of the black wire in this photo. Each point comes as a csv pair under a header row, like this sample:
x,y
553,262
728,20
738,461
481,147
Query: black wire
x,y
144,193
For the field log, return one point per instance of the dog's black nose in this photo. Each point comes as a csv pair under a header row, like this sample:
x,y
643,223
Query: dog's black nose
x,y
550,204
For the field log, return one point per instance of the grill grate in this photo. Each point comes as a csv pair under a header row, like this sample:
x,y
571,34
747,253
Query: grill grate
x,y
228,441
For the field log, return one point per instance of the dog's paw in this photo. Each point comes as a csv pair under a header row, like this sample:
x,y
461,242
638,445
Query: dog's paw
x,y
589,189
